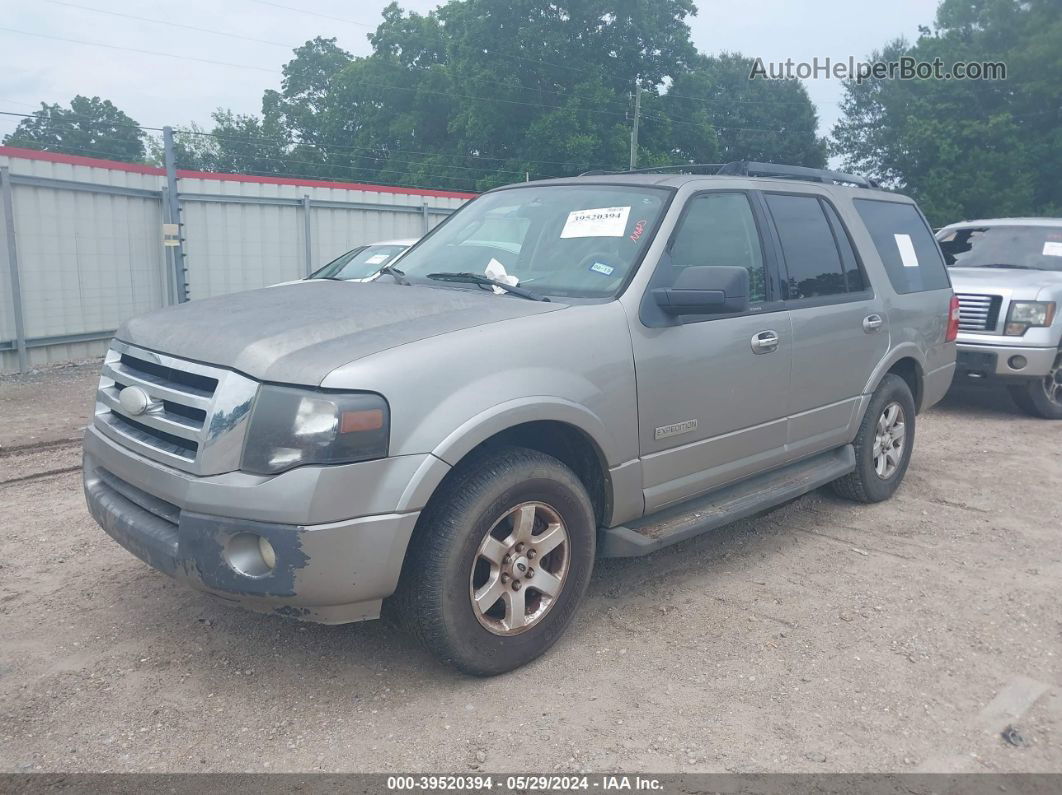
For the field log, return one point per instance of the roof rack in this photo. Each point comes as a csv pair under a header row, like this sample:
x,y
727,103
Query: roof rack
x,y
689,168
750,168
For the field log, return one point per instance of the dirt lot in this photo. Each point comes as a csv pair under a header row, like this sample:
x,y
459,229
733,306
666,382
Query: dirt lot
x,y
824,636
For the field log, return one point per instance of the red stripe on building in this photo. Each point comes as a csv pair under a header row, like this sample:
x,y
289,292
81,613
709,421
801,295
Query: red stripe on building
x,y
137,168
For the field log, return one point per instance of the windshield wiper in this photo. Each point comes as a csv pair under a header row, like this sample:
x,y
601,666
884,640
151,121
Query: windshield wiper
x,y
396,274
1008,266
486,281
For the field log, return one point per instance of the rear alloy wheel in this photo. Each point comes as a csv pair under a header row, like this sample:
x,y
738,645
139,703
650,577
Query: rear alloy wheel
x,y
1042,397
499,561
883,445
889,439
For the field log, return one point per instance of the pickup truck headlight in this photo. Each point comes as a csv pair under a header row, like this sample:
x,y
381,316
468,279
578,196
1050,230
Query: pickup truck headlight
x,y
1024,315
293,427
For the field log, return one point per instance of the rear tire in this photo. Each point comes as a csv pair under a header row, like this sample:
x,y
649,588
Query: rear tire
x,y
883,445
1043,396
499,562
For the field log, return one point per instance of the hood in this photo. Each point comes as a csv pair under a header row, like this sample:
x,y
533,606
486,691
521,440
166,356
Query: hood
x,y
973,279
299,333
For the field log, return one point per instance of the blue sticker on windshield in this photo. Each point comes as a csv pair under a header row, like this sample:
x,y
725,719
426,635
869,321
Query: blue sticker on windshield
x,y
600,267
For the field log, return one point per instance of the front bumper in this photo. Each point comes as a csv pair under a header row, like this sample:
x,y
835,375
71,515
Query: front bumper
x,y
332,572
997,361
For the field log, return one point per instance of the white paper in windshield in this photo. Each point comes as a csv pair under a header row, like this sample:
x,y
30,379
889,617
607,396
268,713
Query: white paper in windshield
x,y
907,251
596,222
377,259
1052,248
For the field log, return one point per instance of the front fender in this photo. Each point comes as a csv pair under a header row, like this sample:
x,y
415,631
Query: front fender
x,y
536,408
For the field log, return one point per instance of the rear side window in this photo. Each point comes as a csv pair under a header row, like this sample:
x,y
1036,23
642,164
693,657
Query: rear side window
x,y
852,272
810,247
719,229
905,245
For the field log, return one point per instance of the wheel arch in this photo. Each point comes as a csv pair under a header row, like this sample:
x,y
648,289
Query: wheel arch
x,y
906,361
564,440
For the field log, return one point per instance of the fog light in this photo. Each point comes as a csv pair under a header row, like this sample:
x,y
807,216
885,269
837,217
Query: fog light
x,y
250,555
1017,362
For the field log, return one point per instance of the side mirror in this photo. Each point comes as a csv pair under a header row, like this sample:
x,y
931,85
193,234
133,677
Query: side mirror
x,y
703,290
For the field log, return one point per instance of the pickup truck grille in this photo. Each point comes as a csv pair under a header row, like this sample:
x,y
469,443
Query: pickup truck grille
x,y
188,415
978,312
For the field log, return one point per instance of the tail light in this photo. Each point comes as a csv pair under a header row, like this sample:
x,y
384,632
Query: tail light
x,y
953,320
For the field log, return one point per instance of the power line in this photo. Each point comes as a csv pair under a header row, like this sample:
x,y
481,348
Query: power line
x,y
390,160
141,52
213,32
170,24
418,89
314,13
277,71
327,147
38,115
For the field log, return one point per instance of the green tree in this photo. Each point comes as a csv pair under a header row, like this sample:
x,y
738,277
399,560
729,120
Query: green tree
x,y
92,127
967,148
766,120
484,92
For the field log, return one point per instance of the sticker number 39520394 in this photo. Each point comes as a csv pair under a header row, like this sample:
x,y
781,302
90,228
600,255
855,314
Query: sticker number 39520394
x,y
596,222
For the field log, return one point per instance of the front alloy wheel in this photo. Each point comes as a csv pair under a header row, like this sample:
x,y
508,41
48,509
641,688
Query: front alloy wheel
x,y
520,569
499,561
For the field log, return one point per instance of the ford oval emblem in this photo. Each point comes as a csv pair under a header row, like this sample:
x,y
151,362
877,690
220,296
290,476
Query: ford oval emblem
x,y
134,400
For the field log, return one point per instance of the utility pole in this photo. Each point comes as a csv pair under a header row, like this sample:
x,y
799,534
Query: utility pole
x,y
173,217
634,129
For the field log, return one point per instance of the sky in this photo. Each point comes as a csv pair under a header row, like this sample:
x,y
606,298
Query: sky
x,y
56,64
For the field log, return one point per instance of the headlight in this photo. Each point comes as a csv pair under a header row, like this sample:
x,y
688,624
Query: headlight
x,y
292,427
1026,314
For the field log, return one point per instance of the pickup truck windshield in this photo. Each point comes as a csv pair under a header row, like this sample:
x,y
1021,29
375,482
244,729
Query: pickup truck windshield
x,y
359,263
579,241
1018,247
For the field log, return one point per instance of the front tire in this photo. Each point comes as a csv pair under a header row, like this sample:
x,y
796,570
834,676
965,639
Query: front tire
x,y
499,561
883,445
1042,397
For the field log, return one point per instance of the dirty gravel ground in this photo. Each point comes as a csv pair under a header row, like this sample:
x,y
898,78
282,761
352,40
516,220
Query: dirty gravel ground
x,y
823,636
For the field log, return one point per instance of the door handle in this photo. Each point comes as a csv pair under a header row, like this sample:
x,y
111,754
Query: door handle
x,y
765,341
872,323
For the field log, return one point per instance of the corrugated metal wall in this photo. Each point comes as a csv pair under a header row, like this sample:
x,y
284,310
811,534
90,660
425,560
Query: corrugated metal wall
x,y
90,253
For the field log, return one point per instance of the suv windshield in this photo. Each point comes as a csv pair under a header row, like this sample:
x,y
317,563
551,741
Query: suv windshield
x,y
579,241
360,263
1023,247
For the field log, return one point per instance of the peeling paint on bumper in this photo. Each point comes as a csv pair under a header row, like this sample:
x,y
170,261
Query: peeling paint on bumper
x,y
329,573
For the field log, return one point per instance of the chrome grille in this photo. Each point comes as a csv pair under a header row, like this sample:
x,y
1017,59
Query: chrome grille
x,y
978,312
188,415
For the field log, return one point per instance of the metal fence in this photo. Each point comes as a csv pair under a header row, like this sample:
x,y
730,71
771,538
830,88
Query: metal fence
x,y
86,243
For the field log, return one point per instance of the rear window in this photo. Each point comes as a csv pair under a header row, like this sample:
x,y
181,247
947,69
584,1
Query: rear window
x,y
905,245
1017,247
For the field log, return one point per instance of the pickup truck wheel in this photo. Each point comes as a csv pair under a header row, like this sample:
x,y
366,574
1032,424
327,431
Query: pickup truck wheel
x,y
1042,397
883,445
500,562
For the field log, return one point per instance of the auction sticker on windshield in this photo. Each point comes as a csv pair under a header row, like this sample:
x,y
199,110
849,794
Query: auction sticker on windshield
x,y
597,222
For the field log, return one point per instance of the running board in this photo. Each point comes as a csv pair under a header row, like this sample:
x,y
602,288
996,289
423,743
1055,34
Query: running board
x,y
738,501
